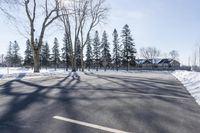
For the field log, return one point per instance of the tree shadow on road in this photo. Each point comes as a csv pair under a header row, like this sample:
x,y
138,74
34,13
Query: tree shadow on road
x,y
69,93
22,100
146,85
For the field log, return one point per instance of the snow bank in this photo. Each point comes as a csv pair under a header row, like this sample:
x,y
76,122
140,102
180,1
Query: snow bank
x,y
191,80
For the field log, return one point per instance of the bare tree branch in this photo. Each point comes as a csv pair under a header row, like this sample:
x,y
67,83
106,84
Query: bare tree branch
x,y
149,53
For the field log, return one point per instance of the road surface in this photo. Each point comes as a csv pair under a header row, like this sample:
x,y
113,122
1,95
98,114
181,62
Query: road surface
x,y
138,102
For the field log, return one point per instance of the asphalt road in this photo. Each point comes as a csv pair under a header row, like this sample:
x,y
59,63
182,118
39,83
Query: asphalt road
x,y
142,102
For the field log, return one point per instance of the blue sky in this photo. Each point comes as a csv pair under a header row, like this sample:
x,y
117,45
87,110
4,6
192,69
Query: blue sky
x,y
165,24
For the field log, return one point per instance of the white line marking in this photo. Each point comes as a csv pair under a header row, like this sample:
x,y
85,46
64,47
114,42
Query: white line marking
x,y
89,125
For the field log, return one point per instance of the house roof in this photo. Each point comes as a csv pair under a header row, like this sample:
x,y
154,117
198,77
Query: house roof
x,y
165,61
140,61
155,61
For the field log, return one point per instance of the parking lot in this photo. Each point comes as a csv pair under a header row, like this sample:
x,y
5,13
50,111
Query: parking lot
x,y
137,102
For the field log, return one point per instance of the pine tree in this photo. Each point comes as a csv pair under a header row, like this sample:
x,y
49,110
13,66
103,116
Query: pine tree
x,y
28,60
116,50
66,51
89,54
128,46
45,55
105,51
78,54
9,56
56,53
16,56
96,50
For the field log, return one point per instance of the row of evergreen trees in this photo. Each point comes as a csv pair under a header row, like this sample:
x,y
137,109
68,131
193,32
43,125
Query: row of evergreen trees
x,y
47,59
13,58
98,53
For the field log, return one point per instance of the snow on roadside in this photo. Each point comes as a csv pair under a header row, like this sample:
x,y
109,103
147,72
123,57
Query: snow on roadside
x,y
191,80
19,73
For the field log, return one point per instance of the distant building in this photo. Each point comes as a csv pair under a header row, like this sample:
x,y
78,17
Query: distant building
x,y
158,63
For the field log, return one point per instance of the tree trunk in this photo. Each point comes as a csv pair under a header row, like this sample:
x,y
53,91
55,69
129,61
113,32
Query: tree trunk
x,y
74,57
82,62
74,62
36,59
97,67
66,65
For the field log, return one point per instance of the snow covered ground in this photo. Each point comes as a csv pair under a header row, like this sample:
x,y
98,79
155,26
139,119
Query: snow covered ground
x,y
191,80
19,73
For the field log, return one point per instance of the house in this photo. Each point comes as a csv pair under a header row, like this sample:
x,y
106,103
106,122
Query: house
x,y
175,64
143,63
169,63
164,63
158,63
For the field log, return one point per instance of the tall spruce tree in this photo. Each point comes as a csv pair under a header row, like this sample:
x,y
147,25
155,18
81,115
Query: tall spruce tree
x,y
56,54
45,55
78,54
105,51
28,60
66,51
89,54
116,50
128,46
96,50
16,57
9,55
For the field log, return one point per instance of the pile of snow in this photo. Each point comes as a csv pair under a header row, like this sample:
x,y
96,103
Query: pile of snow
x,y
19,73
191,80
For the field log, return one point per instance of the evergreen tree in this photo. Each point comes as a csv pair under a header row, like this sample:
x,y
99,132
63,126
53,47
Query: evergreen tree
x,y
9,56
28,60
45,55
116,50
89,54
105,52
56,53
78,54
96,50
66,51
128,46
16,56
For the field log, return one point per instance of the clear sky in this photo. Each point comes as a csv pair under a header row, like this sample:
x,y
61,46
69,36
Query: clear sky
x,y
165,24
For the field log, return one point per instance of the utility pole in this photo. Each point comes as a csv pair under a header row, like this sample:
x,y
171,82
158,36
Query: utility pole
x,y
199,56
189,61
2,59
195,57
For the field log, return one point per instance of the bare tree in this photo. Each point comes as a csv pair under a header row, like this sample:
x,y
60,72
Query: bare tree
x,y
50,9
174,54
79,19
5,5
149,52
40,15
